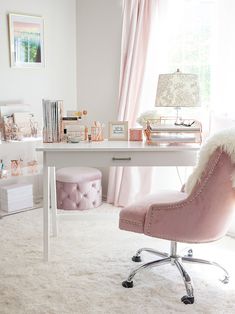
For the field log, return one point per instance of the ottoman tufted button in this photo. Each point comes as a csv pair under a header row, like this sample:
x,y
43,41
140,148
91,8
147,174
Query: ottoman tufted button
x,y
77,187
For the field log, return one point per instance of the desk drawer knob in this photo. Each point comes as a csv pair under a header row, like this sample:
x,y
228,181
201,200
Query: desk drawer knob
x,y
121,158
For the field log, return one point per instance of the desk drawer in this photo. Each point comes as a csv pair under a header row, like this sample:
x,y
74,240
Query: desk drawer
x,y
107,159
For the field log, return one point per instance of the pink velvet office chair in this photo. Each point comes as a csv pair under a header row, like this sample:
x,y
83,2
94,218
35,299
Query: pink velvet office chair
x,y
203,215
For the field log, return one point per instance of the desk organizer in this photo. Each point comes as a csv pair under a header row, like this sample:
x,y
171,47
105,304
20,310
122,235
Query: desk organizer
x,y
97,133
164,130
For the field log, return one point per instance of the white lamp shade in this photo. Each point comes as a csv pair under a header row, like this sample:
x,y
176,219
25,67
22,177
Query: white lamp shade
x,y
177,90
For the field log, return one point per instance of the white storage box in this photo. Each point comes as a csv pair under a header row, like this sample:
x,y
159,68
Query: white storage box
x,y
16,197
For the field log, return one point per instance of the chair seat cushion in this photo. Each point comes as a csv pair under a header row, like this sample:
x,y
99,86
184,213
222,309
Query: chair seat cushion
x,y
132,218
78,174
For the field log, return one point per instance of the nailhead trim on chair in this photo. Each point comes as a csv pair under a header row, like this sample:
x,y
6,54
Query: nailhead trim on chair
x,y
134,223
184,202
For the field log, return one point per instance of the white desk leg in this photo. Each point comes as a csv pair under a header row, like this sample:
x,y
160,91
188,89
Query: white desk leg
x,y
46,204
53,202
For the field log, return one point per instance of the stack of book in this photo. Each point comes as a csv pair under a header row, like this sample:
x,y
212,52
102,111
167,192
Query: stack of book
x,y
52,118
16,197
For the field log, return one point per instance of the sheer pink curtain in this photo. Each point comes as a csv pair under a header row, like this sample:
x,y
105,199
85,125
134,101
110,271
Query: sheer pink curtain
x,y
137,20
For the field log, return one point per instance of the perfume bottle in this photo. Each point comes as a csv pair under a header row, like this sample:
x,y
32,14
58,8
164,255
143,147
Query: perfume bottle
x,y
65,136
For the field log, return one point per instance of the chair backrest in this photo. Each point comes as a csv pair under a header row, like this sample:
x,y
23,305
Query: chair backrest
x,y
214,197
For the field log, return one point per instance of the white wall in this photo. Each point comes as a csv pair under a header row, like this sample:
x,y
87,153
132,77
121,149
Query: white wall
x,y
58,79
99,26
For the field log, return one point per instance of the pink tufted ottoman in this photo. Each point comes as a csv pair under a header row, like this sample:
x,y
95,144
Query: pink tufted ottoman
x,y
78,188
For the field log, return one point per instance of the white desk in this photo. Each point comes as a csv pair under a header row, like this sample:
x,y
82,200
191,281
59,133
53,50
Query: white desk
x,y
103,154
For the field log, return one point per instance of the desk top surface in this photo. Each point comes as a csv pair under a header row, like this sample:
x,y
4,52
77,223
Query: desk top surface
x,y
118,146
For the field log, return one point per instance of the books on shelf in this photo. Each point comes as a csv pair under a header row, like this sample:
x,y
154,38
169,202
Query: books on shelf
x,y
52,117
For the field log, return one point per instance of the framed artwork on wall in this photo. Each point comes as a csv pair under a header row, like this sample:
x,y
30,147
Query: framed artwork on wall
x,y
118,131
26,41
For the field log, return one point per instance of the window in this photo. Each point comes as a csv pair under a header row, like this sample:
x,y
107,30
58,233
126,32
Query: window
x,y
190,40
183,37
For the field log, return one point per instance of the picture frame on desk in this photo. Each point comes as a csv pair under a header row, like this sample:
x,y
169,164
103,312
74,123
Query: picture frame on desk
x,y
118,131
26,38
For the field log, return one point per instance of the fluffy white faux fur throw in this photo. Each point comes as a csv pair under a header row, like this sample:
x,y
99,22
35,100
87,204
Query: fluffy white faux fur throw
x,y
224,139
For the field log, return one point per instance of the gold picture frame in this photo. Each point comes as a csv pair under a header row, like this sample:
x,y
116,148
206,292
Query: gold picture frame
x,y
118,131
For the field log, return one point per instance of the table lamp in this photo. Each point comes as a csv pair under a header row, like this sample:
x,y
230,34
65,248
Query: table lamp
x,y
177,90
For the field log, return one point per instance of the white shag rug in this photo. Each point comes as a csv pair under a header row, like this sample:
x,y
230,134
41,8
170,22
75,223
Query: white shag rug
x,y
89,260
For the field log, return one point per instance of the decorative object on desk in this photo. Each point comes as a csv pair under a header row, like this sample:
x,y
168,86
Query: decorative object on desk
x,y
165,131
97,131
136,134
75,130
74,113
118,131
26,41
65,136
177,90
146,116
52,120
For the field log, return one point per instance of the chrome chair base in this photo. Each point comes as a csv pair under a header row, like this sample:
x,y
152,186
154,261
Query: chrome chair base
x,y
176,260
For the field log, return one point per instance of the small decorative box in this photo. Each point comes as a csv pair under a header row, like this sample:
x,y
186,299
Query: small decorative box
x,y
136,134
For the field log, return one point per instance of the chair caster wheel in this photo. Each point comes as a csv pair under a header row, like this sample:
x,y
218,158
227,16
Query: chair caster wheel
x,y
225,280
190,253
187,300
127,284
136,258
